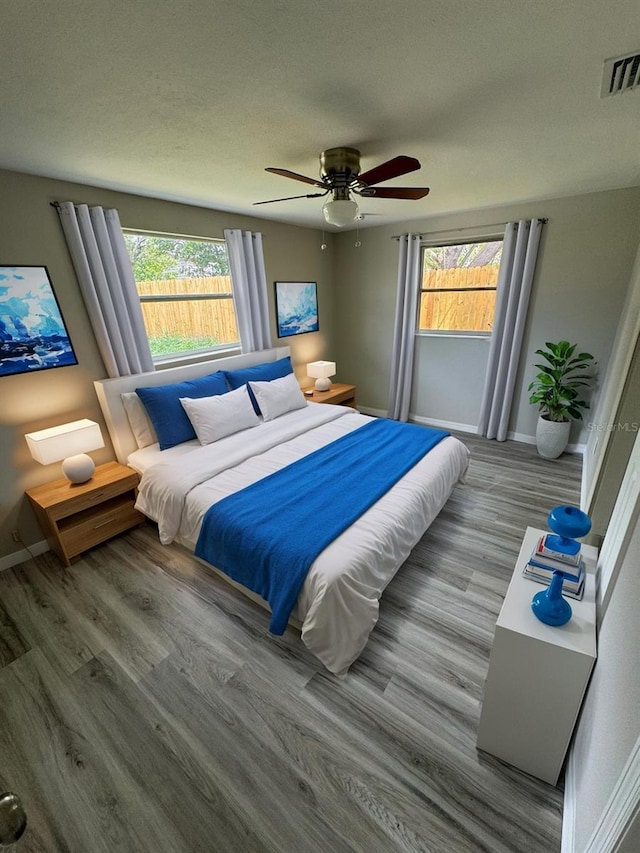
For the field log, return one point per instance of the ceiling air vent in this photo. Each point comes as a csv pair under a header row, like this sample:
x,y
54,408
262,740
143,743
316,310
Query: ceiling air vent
x,y
621,74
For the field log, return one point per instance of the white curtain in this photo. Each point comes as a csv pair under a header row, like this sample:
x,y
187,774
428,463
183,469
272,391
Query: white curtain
x,y
249,280
103,267
519,253
404,332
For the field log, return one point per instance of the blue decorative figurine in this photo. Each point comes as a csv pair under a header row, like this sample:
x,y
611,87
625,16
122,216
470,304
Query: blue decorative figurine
x,y
568,523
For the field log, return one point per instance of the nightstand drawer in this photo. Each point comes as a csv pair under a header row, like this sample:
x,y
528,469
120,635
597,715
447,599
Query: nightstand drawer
x,y
339,394
77,517
86,499
97,524
345,398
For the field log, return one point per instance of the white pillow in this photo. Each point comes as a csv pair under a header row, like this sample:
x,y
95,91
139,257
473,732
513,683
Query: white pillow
x,y
139,420
215,417
279,396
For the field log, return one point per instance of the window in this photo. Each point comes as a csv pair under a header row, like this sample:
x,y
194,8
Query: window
x,y
458,292
185,292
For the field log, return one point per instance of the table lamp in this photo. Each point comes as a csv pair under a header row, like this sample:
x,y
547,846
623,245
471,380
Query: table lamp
x,y
568,524
321,371
69,442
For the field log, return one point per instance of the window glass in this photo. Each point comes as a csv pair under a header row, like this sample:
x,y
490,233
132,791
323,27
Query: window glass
x,y
458,292
185,293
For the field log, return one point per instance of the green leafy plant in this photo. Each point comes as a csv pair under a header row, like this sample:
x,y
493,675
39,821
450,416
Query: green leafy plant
x,y
170,344
557,388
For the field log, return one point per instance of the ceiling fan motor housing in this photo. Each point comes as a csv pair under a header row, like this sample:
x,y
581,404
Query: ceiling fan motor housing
x,y
341,166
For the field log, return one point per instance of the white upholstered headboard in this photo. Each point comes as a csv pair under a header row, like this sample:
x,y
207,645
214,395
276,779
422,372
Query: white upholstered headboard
x,y
109,390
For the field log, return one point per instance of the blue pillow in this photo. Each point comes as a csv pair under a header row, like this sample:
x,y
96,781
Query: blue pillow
x,y
264,372
167,415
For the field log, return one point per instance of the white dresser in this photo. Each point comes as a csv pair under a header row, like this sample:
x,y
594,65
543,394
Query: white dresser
x,y
537,675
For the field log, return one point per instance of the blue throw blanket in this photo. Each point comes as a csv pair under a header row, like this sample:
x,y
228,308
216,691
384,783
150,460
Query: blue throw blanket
x,y
267,535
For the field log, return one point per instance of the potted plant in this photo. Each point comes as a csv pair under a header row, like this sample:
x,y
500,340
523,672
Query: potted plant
x,y
557,391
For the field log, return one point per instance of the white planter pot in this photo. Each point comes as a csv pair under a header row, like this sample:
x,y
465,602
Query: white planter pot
x,y
552,437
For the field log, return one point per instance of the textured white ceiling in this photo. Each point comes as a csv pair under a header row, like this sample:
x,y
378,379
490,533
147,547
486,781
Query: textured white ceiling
x,y
190,100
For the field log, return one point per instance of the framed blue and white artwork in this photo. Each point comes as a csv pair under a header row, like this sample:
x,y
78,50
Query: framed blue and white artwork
x,y
296,307
33,335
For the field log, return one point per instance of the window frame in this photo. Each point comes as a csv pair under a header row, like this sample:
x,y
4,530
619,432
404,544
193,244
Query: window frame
x,y
204,353
452,333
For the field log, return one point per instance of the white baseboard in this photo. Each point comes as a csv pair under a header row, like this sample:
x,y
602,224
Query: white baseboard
x,y
375,413
22,555
434,422
584,485
418,419
523,437
569,806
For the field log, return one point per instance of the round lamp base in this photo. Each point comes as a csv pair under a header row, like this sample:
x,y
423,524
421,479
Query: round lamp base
x,y
323,384
551,611
78,469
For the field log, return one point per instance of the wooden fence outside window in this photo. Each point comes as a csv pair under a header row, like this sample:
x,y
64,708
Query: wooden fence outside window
x,y
462,309
195,318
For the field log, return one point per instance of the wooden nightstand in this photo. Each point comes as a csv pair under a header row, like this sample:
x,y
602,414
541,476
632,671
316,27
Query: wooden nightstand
x,y
339,394
75,517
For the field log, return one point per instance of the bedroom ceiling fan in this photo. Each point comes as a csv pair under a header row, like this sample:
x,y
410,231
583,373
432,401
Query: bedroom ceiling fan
x,y
340,175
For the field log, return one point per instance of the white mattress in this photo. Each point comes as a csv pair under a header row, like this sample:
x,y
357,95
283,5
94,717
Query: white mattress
x,y
145,457
338,604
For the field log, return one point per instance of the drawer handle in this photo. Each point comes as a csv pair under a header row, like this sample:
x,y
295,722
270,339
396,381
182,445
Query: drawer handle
x,y
102,523
97,496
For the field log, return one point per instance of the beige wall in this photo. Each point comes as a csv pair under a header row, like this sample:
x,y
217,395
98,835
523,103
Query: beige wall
x,y
31,234
583,271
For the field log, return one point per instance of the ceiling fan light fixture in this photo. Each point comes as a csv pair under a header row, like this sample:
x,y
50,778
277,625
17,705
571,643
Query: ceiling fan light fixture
x,y
340,212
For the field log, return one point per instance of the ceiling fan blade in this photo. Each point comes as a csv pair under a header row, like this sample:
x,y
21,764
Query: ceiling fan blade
x,y
401,165
291,197
285,173
394,192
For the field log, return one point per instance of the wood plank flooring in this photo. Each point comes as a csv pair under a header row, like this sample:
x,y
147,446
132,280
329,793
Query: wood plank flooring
x,y
144,707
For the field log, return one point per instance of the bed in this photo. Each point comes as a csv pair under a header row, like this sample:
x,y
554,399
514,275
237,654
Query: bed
x,y
337,606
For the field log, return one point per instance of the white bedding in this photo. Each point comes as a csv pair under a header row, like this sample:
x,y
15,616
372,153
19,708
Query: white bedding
x,y
338,604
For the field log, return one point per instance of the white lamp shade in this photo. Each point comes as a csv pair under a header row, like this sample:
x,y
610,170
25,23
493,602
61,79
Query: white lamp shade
x,y
56,443
340,212
321,369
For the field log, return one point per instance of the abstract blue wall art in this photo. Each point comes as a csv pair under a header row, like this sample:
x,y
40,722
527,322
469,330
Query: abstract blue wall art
x,y
296,307
33,335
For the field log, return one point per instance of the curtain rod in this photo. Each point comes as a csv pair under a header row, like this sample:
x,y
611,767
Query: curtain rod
x,y
467,228
58,205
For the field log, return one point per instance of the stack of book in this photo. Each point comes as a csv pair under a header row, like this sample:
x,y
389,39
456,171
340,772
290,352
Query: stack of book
x,y
544,561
